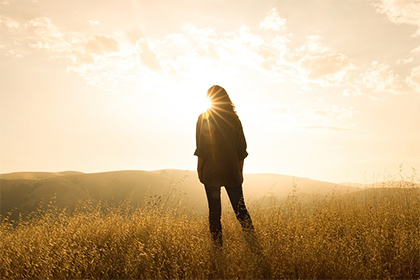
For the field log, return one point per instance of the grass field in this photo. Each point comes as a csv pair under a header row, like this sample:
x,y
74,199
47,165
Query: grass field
x,y
372,234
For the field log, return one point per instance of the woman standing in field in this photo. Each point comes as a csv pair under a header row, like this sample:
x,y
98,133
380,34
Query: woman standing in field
x,y
221,150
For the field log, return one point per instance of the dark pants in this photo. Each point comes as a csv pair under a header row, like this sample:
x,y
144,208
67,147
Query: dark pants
x,y
215,210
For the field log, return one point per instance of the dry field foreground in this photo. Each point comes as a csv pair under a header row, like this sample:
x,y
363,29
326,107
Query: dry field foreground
x,y
371,234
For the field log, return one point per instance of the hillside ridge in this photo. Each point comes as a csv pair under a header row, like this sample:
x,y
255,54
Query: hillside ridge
x,y
23,191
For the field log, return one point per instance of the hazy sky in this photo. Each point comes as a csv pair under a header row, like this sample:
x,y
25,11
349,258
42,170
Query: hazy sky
x,y
328,90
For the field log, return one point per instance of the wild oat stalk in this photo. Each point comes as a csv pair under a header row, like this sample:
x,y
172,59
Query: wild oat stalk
x,y
373,236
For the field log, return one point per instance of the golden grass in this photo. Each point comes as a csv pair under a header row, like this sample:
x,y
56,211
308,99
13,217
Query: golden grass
x,y
371,236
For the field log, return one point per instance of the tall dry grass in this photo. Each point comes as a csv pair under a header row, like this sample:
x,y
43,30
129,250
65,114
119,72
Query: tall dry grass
x,y
371,235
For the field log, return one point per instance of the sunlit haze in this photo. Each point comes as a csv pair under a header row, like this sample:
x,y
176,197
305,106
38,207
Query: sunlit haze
x,y
328,90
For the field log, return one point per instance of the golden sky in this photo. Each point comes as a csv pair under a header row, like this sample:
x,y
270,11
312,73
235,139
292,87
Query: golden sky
x,y
328,90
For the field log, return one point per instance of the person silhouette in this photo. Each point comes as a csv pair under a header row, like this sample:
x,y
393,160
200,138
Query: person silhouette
x,y
221,150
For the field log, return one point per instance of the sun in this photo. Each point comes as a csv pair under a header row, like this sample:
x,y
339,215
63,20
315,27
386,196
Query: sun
x,y
184,100
194,98
205,104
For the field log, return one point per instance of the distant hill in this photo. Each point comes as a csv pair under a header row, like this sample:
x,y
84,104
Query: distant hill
x,y
23,191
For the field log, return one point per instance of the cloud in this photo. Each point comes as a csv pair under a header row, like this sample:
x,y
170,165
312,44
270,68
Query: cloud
x,y
319,117
38,33
325,64
315,62
102,44
134,35
204,49
414,79
313,45
327,127
43,26
182,53
242,46
83,54
281,110
401,12
14,53
352,89
309,65
273,21
9,23
404,60
334,113
47,36
380,78
341,113
204,42
147,56
93,22
83,57
416,51
321,113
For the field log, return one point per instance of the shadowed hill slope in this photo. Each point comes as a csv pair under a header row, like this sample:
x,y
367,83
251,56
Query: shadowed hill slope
x,y
24,191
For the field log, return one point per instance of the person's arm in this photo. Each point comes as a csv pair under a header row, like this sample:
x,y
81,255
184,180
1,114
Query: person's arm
x,y
200,150
241,165
241,142
199,166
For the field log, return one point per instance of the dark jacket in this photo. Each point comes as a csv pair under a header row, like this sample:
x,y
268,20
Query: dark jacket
x,y
221,144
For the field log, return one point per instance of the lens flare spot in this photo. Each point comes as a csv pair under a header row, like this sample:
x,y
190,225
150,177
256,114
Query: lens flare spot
x,y
205,104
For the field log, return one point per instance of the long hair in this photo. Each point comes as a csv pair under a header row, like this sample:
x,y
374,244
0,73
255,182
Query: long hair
x,y
220,101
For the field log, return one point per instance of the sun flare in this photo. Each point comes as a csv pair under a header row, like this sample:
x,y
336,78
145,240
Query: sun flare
x,y
205,104
191,100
